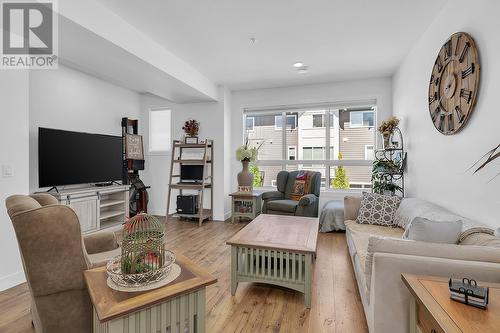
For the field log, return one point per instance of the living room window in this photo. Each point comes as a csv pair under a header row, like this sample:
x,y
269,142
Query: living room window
x,y
317,139
159,131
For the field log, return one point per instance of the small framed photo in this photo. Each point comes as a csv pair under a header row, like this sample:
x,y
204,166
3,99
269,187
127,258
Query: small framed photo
x,y
133,147
191,139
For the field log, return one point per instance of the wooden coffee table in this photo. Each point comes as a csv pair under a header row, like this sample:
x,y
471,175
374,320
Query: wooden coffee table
x,y
177,307
275,249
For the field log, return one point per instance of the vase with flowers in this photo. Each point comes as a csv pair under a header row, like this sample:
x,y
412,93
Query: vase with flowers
x,y
246,154
387,128
191,128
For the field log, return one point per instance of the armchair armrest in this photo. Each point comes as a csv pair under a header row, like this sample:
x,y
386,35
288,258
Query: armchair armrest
x,y
307,199
272,195
100,242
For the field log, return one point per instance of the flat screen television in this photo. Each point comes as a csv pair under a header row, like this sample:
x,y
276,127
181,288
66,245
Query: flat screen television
x,y
67,158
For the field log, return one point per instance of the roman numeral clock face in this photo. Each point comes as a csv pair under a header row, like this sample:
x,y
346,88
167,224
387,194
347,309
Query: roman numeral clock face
x,y
454,84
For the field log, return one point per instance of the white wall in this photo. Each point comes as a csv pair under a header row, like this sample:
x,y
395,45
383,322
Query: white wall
x,y
379,89
437,164
214,121
14,105
71,100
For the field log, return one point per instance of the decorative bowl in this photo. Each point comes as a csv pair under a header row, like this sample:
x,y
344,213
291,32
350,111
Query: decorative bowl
x,y
114,270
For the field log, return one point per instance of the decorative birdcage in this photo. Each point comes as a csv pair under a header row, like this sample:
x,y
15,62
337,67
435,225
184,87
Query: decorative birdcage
x,y
143,259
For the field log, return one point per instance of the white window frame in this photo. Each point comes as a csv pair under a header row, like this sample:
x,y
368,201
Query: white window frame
x,y
150,132
253,124
329,110
281,116
366,152
294,148
362,113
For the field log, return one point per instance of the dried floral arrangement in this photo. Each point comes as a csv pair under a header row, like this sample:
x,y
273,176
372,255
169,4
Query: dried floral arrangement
x,y
191,127
388,126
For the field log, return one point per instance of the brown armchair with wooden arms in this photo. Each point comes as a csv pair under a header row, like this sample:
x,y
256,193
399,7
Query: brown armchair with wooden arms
x,y
54,256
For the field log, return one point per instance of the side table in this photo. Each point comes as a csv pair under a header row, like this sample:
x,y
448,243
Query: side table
x,y
432,310
177,307
245,205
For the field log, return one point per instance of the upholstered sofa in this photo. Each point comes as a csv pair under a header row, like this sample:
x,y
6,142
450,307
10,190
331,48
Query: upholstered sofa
x,y
54,255
279,202
379,256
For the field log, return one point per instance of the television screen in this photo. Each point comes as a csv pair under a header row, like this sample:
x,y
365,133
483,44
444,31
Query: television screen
x,y
191,173
66,158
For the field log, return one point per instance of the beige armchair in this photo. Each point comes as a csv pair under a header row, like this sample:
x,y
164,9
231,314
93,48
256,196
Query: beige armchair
x,y
54,256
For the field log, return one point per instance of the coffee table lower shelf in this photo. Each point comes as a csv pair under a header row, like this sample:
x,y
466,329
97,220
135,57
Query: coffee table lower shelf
x,y
278,267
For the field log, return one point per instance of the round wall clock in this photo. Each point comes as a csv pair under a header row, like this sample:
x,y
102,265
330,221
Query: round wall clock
x,y
454,84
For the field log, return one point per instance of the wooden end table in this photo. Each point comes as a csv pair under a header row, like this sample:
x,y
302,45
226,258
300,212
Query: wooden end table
x,y
275,249
432,310
176,307
245,205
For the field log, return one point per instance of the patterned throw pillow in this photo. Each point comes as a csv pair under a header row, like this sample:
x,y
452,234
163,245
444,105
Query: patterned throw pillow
x,y
378,209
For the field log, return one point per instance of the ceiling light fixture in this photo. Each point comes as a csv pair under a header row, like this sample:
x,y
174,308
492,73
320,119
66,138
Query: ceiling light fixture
x,y
298,64
303,69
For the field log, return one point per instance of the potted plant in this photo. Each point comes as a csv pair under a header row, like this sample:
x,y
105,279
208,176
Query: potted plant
x,y
387,128
246,154
191,128
387,188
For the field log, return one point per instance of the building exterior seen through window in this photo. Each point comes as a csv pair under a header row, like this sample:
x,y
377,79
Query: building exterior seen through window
x,y
321,140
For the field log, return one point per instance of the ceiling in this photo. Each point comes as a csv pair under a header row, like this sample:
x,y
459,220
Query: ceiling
x,y
337,39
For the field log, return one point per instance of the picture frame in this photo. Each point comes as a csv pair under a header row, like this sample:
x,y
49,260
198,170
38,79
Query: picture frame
x,y
191,140
134,149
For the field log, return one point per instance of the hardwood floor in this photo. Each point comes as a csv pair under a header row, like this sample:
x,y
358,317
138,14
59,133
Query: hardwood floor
x,y
336,306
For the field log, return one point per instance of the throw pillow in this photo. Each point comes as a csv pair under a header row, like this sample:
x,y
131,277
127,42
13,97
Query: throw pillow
x,y
302,185
422,229
378,209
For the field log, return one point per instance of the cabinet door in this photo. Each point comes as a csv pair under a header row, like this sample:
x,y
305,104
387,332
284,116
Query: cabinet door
x,y
86,210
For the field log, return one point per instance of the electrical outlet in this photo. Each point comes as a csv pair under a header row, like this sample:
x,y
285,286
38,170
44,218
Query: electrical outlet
x,y
7,171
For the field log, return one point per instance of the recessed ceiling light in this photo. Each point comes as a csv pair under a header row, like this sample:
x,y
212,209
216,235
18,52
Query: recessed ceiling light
x,y
298,64
303,69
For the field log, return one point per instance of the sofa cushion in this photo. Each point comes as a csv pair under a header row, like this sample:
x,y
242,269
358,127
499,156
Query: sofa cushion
x,y
378,209
361,233
285,205
422,229
481,239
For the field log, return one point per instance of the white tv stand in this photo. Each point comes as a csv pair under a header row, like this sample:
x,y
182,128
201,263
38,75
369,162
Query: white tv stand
x,y
97,207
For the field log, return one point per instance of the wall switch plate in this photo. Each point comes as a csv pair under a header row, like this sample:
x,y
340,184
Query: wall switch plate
x,y
7,171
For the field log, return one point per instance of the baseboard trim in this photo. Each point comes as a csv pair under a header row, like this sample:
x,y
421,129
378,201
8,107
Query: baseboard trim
x,y
12,280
